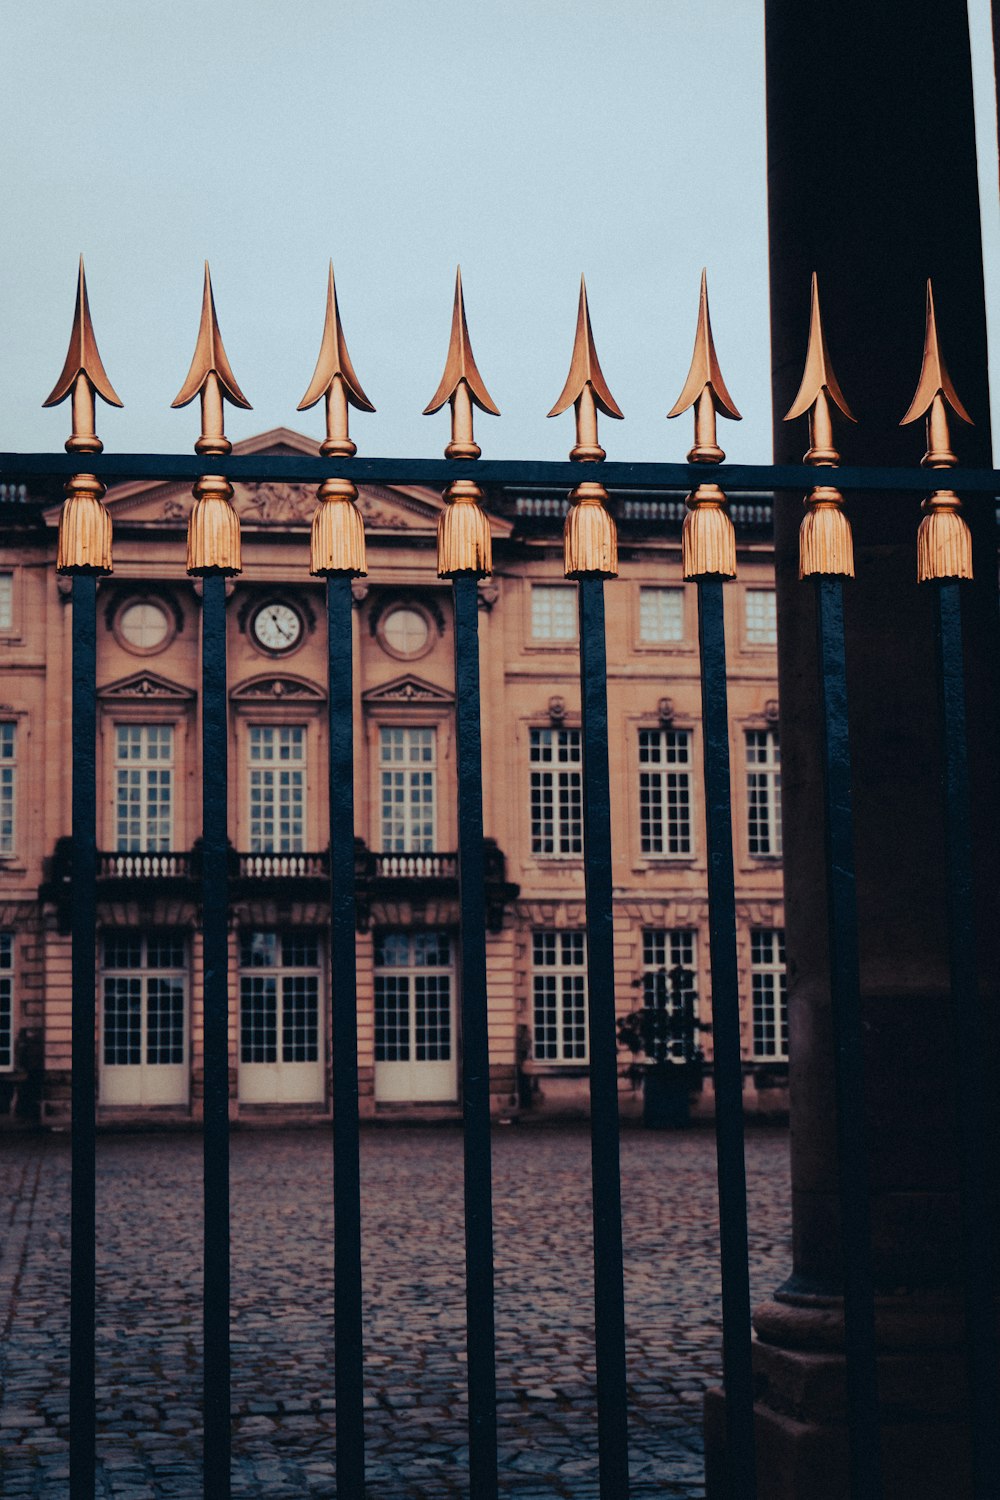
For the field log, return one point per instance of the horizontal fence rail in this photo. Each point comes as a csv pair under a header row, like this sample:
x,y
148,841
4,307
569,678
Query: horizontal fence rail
x,y
304,469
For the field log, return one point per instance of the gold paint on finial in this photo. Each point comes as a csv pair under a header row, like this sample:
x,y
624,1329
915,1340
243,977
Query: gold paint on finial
x,y
337,544
590,538
944,541
464,543
84,525
214,527
708,537
825,544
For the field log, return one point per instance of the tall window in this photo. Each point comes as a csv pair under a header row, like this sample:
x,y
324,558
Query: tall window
x,y
661,614
277,788
6,600
665,791
279,997
556,792
144,988
413,997
769,992
761,617
408,773
763,792
559,985
8,786
144,801
664,950
6,1000
553,612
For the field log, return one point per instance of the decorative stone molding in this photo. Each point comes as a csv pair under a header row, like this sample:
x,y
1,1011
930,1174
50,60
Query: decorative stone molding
x,y
146,685
408,690
275,689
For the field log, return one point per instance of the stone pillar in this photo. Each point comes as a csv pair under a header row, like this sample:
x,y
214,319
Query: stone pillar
x,y
872,183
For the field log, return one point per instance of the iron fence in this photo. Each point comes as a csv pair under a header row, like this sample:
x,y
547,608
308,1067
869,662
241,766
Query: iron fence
x,y
464,556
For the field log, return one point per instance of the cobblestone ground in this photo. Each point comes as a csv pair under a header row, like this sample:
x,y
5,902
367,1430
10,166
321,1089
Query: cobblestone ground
x,y
149,1249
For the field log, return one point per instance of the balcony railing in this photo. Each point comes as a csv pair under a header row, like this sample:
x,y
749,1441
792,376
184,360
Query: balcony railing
x,y
168,864
427,866
283,866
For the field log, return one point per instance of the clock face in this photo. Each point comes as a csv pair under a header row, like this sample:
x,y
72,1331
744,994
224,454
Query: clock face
x,y
277,627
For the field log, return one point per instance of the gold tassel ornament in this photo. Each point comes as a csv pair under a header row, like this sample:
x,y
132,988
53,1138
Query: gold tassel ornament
x,y
708,537
213,545
826,547
464,542
590,537
944,541
85,523
337,541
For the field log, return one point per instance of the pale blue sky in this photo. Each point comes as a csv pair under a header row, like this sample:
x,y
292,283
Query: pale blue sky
x,y
530,140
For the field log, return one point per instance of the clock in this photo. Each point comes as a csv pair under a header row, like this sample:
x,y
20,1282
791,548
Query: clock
x,y
276,627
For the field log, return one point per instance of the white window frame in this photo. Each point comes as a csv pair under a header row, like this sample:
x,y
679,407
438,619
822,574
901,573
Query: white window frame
x,y
762,752
760,620
768,995
559,997
407,823
7,587
668,602
423,964
143,975
666,811
664,949
147,767
6,1002
8,787
288,977
555,781
546,602
264,775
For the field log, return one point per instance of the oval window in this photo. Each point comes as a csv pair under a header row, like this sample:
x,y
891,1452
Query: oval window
x,y
144,625
405,631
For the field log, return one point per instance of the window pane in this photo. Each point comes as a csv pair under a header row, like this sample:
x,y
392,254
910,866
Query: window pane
x,y
258,1018
559,996
761,617
122,1022
6,600
661,614
300,1018
769,996
553,612
165,1021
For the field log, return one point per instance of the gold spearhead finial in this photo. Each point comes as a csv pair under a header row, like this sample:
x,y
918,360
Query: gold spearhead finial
x,y
934,389
338,533
335,379
464,542
82,374
944,541
213,527
708,537
84,524
586,388
825,544
212,377
590,539
461,384
705,386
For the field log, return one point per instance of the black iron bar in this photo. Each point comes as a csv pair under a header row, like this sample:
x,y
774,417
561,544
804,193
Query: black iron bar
x,y
83,1217
348,1336
728,1069
215,911
479,1290
609,1290
437,472
845,998
978,1241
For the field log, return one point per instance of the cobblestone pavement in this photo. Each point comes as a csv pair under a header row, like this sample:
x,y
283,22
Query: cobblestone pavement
x,y
149,1250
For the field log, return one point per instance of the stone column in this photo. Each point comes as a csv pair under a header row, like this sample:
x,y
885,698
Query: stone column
x,y
872,184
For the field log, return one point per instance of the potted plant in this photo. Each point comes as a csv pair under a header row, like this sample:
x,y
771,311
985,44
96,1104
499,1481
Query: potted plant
x,y
662,1038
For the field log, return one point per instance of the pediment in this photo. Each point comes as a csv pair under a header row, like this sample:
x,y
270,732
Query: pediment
x,y
276,688
148,686
281,506
408,689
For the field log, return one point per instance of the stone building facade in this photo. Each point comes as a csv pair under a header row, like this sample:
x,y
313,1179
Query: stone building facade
x,y
149,1042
